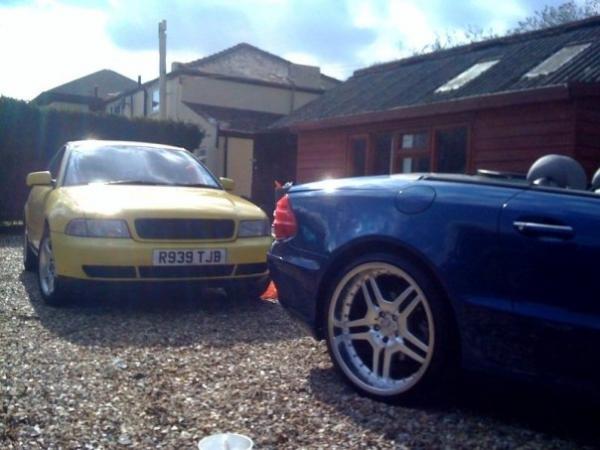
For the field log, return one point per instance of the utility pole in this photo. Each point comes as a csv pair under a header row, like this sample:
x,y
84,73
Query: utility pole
x,y
162,70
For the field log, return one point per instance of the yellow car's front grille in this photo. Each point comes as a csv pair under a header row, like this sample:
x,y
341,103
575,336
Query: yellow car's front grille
x,y
185,229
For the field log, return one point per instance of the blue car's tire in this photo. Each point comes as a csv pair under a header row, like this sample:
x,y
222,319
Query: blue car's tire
x,y
389,329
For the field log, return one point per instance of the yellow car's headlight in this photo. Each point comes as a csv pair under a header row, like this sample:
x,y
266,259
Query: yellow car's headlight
x,y
102,228
254,228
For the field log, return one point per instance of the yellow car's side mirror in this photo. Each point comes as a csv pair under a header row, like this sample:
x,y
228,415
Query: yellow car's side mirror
x,y
39,179
228,184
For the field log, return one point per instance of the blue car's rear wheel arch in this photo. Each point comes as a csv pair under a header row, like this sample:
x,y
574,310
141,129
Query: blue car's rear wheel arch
x,y
388,328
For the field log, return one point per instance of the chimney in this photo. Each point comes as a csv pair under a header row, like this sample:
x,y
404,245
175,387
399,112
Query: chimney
x,y
96,91
139,80
162,51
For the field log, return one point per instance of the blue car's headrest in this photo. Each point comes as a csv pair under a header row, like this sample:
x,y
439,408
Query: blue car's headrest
x,y
559,171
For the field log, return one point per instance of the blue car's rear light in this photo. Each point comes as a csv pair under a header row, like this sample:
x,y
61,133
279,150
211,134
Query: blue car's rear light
x,y
284,220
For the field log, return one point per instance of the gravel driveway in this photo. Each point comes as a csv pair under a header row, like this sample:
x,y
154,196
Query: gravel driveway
x,y
164,370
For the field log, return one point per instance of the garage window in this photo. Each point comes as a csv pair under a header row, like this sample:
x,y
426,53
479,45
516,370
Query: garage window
x,y
358,156
451,150
413,154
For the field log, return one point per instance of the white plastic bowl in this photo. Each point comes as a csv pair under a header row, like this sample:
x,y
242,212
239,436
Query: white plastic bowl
x,y
226,441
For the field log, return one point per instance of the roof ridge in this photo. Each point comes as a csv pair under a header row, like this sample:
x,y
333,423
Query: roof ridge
x,y
59,88
231,49
509,39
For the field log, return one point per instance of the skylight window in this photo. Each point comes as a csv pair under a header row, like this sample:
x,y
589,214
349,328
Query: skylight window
x,y
556,61
468,75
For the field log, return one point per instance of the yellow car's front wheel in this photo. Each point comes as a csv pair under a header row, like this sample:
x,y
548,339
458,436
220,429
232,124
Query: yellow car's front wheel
x,y
51,288
29,258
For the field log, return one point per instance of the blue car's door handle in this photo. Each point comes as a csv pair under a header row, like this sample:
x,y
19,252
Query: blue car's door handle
x,y
535,229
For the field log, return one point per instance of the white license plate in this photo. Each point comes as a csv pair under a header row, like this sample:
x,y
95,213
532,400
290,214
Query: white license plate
x,y
189,257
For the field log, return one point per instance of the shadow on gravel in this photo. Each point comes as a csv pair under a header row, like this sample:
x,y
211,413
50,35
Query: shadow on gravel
x,y
477,401
174,315
11,237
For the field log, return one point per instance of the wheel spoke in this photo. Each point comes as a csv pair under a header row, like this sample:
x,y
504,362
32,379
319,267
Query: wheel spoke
x,y
388,352
411,306
376,358
415,341
376,291
364,336
410,353
373,304
362,322
402,297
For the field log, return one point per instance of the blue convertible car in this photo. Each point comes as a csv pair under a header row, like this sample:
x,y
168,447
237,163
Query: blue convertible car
x,y
410,276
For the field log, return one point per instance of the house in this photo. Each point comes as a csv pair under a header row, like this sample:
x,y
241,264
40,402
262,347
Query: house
x,y
498,104
88,93
231,95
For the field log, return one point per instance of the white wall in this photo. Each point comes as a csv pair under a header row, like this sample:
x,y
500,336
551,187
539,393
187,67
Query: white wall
x,y
234,94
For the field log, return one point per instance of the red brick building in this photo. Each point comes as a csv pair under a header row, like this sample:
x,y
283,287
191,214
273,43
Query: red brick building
x,y
498,104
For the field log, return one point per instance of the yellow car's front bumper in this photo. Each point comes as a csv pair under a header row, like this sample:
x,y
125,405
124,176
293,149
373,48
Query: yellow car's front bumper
x,y
130,260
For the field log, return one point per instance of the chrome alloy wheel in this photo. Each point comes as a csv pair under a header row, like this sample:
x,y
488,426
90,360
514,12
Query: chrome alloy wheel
x,y
380,329
46,269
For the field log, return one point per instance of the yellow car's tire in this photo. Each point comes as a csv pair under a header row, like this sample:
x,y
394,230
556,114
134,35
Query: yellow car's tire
x,y
51,286
29,258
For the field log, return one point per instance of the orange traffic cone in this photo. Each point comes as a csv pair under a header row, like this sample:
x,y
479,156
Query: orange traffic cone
x,y
270,295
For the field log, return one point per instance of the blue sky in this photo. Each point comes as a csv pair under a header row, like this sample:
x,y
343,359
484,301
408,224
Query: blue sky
x,y
45,43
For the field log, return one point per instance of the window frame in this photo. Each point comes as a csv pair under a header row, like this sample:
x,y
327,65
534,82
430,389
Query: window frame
x,y
540,71
468,155
462,79
155,109
350,157
397,153
401,153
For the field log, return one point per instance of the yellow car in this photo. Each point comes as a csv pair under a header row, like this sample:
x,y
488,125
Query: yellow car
x,y
116,211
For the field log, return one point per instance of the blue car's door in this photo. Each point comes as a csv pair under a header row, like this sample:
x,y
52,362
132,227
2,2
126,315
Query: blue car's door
x,y
550,269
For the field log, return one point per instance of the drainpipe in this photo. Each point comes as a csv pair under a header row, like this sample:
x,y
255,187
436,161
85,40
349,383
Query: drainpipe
x,y
225,155
212,159
292,95
162,51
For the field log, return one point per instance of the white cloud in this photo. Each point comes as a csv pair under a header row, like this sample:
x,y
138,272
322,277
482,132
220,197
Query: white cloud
x,y
406,26
46,44
400,25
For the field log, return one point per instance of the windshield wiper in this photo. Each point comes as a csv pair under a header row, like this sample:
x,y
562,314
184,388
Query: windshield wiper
x,y
198,185
138,182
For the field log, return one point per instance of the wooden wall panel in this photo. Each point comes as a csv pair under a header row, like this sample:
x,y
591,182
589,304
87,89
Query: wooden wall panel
x,y
509,138
513,138
321,154
588,134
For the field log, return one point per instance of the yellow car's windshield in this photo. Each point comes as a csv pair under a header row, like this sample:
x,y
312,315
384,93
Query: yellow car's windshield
x,y
136,164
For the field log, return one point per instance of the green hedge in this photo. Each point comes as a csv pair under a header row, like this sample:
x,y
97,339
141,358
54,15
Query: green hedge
x,y
29,137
